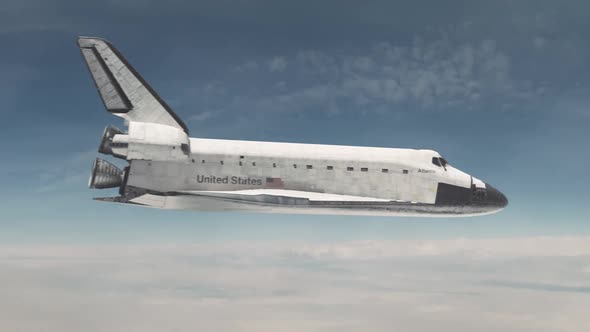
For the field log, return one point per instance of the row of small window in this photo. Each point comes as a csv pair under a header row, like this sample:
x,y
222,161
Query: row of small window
x,y
329,168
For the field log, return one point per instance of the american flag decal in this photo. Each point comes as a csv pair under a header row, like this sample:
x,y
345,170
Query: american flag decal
x,y
276,183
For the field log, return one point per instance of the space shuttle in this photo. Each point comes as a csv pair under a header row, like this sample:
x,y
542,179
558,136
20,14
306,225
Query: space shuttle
x,y
168,169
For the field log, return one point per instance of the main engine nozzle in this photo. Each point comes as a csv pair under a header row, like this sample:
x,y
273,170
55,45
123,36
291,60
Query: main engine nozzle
x,y
105,175
114,142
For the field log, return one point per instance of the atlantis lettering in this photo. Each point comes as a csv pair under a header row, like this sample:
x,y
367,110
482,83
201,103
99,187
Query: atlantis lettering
x,y
425,171
228,180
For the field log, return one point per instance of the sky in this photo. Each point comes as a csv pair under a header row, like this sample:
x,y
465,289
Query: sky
x,y
500,88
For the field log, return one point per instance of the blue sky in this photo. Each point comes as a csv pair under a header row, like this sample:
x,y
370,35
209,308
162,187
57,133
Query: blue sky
x,y
499,88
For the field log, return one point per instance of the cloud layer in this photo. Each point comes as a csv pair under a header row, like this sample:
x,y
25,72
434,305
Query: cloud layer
x,y
385,77
538,284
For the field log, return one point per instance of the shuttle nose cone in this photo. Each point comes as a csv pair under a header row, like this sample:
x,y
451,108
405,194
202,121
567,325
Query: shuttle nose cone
x,y
495,198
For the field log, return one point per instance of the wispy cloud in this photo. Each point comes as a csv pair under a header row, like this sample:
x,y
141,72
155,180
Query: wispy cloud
x,y
63,173
436,74
278,63
200,116
489,285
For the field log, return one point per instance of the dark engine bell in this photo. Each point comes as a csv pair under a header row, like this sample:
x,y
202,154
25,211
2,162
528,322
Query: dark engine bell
x,y
109,133
105,175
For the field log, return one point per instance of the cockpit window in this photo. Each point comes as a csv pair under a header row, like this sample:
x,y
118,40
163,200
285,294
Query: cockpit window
x,y
436,161
443,162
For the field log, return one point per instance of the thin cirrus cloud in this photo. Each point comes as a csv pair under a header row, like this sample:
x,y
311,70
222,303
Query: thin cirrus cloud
x,y
426,74
538,283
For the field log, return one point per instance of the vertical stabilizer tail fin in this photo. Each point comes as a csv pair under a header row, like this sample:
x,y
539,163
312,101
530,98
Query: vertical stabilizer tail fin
x,y
123,91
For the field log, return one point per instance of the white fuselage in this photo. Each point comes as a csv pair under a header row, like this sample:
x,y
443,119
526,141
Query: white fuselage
x,y
219,174
224,165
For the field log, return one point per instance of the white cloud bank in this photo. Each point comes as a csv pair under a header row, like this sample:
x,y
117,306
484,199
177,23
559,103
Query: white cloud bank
x,y
520,284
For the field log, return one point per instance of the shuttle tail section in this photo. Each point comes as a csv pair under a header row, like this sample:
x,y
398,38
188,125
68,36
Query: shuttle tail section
x,y
123,91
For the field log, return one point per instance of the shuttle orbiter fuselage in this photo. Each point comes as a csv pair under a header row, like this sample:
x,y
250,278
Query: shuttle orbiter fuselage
x,y
168,169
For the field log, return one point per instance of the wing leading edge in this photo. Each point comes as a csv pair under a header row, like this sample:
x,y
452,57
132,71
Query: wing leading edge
x,y
266,200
